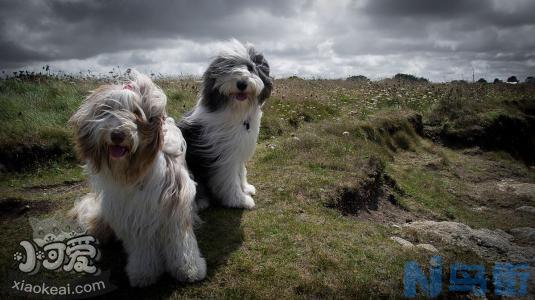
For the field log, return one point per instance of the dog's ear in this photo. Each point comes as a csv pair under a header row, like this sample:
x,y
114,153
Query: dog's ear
x,y
87,107
75,120
211,98
263,72
153,99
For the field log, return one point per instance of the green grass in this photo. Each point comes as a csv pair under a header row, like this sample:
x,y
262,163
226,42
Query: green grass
x,y
316,137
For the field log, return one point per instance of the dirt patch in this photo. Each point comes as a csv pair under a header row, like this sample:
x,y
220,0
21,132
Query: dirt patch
x,y
15,207
22,157
63,187
372,197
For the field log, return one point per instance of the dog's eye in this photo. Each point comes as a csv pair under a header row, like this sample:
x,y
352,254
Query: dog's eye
x,y
250,68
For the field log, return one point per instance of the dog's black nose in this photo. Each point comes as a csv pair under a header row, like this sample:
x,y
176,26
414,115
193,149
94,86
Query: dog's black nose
x,y
242,85
117,136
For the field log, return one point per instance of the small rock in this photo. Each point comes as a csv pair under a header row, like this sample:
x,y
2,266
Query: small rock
x,y
436,164
296,138
427,247
396,226
505,185
522,189
526,234
345,133
402,242
479,209
473,151
527,208
23,209
489,244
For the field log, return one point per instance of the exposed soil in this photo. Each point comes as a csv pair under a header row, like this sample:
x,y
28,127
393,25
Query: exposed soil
x,y
63,187
15,207
20,157
372,197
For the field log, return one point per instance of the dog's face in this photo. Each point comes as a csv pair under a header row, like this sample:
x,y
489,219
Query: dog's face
x,y
239,76
120,128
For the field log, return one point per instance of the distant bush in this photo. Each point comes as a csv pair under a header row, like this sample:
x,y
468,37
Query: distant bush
x,y
512,79
530,79
459,82
360,78
409,77
294,77
497,80
482,80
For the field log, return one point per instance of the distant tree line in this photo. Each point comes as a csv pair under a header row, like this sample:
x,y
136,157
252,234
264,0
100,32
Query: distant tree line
x,y
412,78
409,77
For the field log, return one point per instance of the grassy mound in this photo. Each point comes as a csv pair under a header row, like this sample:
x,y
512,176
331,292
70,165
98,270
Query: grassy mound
x,y
494,118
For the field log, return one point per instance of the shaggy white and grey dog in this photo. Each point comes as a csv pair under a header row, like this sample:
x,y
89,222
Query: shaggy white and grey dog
x,y
141,190
222,129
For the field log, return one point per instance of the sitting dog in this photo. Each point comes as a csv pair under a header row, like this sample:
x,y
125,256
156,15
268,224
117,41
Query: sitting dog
x,y
222,130
141,190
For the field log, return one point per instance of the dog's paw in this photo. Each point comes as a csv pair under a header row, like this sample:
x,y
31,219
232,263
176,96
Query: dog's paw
x,y
199,272
202,203
249,189
239,200
141,279
247,202
143,270
194,271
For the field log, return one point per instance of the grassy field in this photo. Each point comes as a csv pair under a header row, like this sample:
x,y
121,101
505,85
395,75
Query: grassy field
x,y
338,167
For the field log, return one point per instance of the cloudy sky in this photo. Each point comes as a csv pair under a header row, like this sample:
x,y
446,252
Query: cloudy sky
x,y
440,40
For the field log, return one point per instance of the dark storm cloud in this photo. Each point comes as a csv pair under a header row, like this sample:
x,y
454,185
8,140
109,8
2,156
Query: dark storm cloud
x,y
424,8
469,33
482,13
13,54
62,29
438,39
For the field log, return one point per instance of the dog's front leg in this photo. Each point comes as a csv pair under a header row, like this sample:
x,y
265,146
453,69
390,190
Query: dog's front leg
x,y
88,213
246,187
144,264
227,184
183,258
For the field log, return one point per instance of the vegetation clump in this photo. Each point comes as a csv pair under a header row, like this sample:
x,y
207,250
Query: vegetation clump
x,y
409,78
358,78
512,79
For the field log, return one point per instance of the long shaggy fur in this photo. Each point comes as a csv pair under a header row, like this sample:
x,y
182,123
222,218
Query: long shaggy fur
x,y
222,129
141,190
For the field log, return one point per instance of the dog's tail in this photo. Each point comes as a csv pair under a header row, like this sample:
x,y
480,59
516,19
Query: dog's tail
x,y
174,143
180,191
